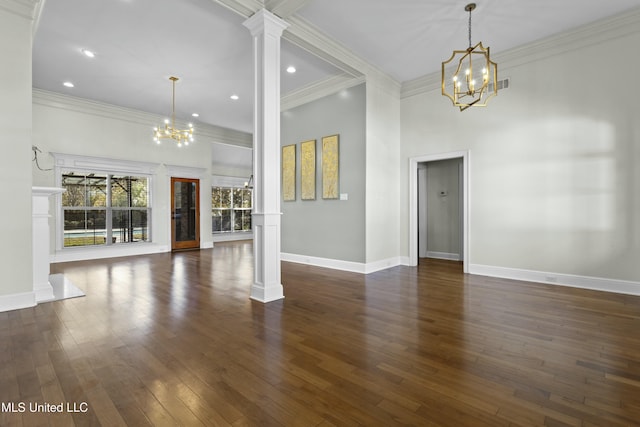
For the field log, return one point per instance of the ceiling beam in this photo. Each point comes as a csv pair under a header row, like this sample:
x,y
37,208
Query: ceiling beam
x,y
308,37
245,8
284,8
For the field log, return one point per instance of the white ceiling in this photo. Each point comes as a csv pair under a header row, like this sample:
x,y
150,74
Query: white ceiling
x,y
140,43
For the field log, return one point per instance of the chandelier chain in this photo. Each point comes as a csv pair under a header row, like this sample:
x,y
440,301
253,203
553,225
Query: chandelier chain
x,y
470,27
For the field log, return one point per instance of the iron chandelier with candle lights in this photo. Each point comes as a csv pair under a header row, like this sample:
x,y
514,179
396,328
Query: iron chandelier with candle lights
x,y
469,77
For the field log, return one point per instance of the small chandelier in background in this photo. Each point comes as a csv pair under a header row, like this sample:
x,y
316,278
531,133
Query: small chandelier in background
x,y
169,130
470,80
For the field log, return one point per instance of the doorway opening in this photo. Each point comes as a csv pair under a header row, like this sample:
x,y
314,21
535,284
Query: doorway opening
x,y
457,166
185,213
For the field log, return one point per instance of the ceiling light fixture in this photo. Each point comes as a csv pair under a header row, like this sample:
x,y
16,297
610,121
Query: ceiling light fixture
x,y
234,97
169,130
461,81
68,84
88,53
291,69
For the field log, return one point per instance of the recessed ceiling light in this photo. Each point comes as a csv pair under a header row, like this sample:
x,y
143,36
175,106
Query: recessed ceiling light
x,y
195,115
234,97
291,69
88,53
68,84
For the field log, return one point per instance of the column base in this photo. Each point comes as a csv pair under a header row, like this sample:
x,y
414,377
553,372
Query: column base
x,y
262,294
43,291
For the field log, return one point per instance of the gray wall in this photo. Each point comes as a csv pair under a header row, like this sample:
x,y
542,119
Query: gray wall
x,y
333,229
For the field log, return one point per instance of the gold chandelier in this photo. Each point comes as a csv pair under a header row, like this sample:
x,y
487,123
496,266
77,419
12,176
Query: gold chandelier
x,y
169,130
470,80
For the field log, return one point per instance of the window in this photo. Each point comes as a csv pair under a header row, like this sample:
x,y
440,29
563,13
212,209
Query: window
x,y
231,209
105,209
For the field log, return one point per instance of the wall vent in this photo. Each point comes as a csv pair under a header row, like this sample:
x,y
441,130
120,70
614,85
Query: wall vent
x,y
502,84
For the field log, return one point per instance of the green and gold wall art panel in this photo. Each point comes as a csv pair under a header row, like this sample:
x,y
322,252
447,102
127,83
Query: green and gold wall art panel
x,y
308,170
330,166
289,172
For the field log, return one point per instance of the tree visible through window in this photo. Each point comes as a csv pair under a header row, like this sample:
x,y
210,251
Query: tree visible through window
x,y
105,209
231,209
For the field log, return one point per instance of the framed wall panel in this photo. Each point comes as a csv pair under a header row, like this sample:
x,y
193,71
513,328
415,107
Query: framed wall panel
x,y
330,166
289,172
308,170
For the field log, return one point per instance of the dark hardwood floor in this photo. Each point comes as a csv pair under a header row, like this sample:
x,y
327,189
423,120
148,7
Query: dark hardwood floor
x,y
173,339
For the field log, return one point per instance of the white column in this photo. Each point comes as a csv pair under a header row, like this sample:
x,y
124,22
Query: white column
x,y
266,30
41,237
16,23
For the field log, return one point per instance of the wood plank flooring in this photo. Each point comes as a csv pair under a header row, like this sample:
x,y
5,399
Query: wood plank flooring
x,y
173,339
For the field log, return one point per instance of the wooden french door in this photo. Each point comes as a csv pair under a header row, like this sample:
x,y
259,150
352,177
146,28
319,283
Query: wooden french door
x,y
185,213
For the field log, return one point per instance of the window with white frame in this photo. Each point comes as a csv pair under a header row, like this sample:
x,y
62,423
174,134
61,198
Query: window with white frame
x,y
107,202
231,209
104,209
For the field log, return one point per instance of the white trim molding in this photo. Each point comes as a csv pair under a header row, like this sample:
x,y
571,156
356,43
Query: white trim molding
x,y
576,38
17,301
232,236
413,202
319,89
205,132
570,280
443,255
337,264
101,164
86,252
29,9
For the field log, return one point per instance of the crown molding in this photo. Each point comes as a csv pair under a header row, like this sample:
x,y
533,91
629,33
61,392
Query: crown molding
x,y
284,8
244,8
91,163
577,38
305,35
25,8
37,13
319,89
204,131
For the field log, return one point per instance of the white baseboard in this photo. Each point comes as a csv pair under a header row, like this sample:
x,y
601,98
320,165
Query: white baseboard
x,y
17,301
86,253
336,264
206,245
229,237
584,282
383,264
443,255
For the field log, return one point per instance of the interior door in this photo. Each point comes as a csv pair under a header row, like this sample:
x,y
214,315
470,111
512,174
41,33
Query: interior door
x,y
185,213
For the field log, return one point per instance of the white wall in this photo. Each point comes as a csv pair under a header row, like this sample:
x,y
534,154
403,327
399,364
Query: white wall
x,y
75,126
382,173
555,185
15,170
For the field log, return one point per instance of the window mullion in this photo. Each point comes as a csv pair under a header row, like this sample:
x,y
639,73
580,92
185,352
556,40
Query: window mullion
x,y
109,214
